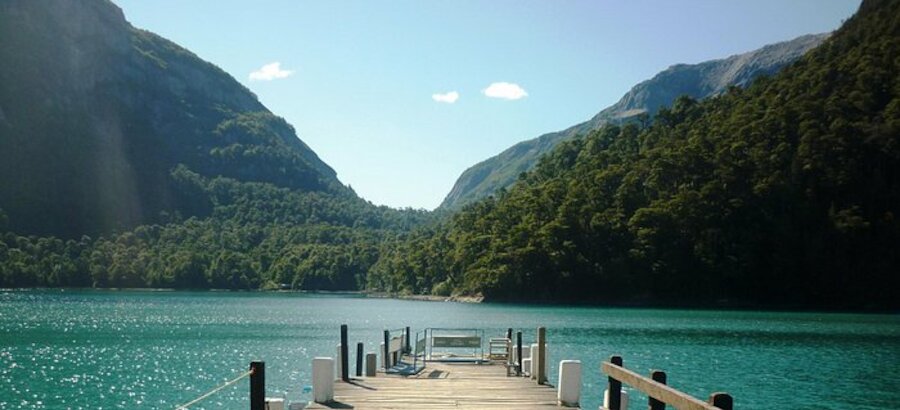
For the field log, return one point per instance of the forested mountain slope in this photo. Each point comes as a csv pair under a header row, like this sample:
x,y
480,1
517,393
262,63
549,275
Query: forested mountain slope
x,y
127,161
696,80
784,194
95,114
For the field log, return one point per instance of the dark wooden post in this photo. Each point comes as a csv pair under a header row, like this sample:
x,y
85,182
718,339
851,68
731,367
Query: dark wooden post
x,y
359,359
407,348
721,400
345,355
659,376
387,348
519,353
509,334
615,386
542,353
258,386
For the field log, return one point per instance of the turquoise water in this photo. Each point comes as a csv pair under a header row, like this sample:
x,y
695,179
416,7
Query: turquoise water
x,y
107,349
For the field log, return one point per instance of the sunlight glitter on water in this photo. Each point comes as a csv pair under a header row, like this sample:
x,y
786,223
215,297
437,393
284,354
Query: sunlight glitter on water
x,y
104,349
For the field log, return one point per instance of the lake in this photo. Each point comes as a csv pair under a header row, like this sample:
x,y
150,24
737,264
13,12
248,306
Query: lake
x,y
135,349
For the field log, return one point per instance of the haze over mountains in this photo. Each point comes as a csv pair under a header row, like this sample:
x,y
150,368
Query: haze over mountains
x,y
696,80
95,115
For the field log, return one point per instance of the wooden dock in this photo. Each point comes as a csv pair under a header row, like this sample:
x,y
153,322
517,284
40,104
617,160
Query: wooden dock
x,y
416,376
441,386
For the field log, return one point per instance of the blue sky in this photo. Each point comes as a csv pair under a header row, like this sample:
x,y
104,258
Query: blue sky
x,y
357,79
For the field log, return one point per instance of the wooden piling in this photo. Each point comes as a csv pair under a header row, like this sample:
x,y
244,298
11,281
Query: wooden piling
x,y
406,347
258,386
542,352
387,348
721,400
359,359
345,355
519,353
371,365
659,376
657,389
615,386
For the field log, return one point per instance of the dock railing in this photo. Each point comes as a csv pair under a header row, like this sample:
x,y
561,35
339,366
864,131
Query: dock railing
x,y
257,375
456,339
656,389
396,342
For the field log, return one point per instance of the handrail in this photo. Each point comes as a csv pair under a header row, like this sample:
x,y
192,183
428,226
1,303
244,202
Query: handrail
x,y
213,391
659,390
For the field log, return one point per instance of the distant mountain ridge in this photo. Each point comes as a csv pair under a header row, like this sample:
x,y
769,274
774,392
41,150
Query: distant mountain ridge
x,y
696,80
95,115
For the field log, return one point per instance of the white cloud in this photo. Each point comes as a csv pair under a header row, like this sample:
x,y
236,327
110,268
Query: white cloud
x,y
449,97
506,91
270,72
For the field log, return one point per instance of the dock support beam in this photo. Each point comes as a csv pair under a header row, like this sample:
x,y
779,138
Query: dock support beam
x,y
721,400
345,355
542,352
371,364
615,387
519,353
406,347
359,359
387,347
258,386
658,376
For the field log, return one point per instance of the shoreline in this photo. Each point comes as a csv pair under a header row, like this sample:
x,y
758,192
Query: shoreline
x,y
480,299
426,298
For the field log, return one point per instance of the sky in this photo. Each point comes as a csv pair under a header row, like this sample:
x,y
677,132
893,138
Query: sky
x,y
400,97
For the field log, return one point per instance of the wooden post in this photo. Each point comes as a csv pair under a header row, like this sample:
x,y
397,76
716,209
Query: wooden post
x,y
387,348
721,400
519,353
615,386
407,348
359,359
371,365
345,355
659,376
542,352
258,386
509,334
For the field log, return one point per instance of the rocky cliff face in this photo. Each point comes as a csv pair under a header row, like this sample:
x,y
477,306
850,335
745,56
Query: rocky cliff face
x,y
696,80
95,114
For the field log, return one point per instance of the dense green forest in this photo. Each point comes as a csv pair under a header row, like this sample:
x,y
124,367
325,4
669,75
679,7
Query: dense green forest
x,y
131,162
702,80
256,235
782,194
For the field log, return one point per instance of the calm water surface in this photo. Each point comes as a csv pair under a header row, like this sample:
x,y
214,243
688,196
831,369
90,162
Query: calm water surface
x,y
135,350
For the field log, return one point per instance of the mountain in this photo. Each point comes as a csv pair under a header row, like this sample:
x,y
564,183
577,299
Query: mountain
x,y
95,115
127,161
696,80
783,194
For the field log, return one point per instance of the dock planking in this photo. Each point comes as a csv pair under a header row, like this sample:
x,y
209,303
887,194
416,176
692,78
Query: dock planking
x,y
444,385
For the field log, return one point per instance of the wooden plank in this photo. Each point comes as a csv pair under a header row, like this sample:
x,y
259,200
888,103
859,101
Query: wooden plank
x,y
444,386
659,391
449,341
396,344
